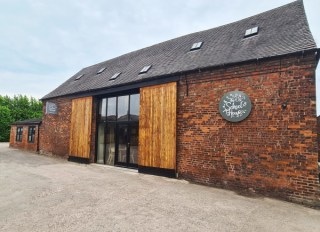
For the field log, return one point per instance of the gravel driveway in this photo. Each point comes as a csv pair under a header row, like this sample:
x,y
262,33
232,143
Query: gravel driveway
x,y
39,193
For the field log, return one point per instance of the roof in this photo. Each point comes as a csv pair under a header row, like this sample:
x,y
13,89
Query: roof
x,y
35,121
283,30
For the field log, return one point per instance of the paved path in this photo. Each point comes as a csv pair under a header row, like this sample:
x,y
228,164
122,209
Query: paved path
x,y
40,193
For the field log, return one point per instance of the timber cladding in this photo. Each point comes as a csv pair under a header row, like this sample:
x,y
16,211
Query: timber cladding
x,y
80,133
157,126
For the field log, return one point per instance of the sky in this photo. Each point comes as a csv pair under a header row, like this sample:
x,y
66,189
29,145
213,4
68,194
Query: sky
x,y
45,42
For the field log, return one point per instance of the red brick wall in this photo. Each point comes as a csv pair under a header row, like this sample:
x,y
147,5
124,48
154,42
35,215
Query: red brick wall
x,y
274,151
55,128
24,144
318,131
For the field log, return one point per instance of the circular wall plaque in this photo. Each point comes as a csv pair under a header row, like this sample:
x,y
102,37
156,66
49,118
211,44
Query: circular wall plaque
x,y
235,106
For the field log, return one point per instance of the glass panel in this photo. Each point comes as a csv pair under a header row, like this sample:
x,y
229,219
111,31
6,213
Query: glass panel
x,y
134,107
31,133
123,103
19,134
102,109
122,141
100,151
112,114
110,144
134,138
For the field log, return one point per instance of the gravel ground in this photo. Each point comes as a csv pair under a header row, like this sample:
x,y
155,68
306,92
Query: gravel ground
x,y
39,193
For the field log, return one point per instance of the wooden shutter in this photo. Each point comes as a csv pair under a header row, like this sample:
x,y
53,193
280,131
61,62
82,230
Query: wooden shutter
x,y
157,126
80,134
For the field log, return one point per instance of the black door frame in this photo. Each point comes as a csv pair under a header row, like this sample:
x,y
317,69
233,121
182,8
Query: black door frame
x,y
116,123
127,163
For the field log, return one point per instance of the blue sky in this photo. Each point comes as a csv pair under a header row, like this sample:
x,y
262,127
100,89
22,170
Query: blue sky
x,y
44,42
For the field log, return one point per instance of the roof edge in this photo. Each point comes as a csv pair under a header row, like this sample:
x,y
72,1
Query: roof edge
x,y
36,121
82,93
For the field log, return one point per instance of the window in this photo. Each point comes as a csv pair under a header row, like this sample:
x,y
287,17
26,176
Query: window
x,y
19,134
145,69
121,108
134,107
114,76
101,70
102,109
196,46
31,134
112,109
251,32
78,77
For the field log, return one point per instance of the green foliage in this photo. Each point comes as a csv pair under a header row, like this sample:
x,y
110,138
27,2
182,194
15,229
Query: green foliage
x,y
15,109
5,120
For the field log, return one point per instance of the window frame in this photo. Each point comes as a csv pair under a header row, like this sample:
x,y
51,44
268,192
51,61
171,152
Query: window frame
x,y
102,118
108,105
32,133
19,133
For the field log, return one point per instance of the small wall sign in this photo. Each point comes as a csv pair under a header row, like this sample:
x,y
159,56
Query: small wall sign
x,y
51,108
235,106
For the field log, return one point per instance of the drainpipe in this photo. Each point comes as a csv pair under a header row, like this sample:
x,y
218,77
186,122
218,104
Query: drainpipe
x,y
38,139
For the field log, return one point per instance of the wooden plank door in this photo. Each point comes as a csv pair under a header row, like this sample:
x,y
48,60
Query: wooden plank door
x,y
80,133
157,126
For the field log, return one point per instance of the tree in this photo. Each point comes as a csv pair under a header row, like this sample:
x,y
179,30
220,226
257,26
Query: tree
x,y
14,109
5,120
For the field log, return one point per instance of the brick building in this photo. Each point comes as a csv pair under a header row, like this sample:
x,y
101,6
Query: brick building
x,y
25,134
233,107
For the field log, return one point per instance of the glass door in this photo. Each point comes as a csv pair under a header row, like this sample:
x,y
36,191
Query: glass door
x,y
134,138
122,144
110,143
118,130
127,145
100,143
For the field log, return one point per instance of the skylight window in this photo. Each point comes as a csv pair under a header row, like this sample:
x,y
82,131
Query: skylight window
x,y
196,46
101,70
115,76
78,77
251,31
145,69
